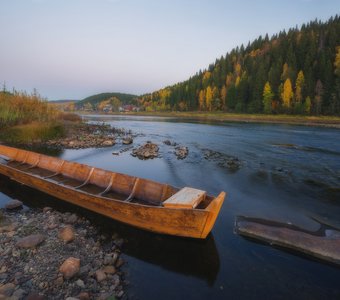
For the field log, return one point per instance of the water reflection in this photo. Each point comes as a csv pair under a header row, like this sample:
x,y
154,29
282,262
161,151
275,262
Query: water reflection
x,y
188,257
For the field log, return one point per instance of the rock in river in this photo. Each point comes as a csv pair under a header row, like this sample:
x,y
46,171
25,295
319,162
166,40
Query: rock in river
x,y
108,143
148,150
181,152
127,140
13,204
30,241
70,267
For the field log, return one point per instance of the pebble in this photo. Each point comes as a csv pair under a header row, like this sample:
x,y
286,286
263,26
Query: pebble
x,y
35,296
66,234
71,219
13,204
47,209
7,289
70,267
100,275
83,296
19,293
30,241
109,270
80,283
38,273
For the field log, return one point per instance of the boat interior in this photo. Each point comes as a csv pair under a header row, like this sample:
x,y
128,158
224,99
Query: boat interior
x,y
102,183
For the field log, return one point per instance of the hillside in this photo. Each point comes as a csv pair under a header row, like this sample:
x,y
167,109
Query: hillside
x,y
95,100
296,72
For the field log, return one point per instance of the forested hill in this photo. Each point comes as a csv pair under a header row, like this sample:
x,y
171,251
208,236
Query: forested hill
x,y
96,99
292,72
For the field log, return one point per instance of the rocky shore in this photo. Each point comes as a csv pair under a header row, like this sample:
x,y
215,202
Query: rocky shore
x,y
87,135
47,254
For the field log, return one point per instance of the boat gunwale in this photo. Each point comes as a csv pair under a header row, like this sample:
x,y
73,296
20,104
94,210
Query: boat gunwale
x,y
51,181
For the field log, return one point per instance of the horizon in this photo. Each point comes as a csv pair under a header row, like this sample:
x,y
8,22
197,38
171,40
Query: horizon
x,y
144,47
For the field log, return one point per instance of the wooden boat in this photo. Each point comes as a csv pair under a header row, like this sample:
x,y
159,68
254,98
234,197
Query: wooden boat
x,y
139,202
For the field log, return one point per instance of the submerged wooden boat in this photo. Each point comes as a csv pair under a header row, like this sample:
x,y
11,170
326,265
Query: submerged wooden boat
x,y
138,202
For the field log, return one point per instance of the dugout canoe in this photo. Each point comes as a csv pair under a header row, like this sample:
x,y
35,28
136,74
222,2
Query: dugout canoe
x,y
139,202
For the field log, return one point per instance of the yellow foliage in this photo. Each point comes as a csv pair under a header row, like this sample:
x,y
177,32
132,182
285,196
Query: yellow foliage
x,y
237,82
164,94
337,61
208,98
229,80
223,95
237,69
287,94
206,75
300,81
201,99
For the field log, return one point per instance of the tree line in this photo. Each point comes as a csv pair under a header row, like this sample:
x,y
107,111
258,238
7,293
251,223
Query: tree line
x,y
294,72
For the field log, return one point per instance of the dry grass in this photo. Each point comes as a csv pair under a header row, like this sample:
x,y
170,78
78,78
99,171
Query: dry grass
x,y
27,118
32,133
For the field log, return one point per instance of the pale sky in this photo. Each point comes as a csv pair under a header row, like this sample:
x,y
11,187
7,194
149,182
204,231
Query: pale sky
x,y
71,49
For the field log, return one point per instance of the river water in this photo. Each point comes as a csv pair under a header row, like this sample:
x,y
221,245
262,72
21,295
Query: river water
x,y
285,173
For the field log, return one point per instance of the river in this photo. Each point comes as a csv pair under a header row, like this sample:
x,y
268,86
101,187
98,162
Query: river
x,y
286,173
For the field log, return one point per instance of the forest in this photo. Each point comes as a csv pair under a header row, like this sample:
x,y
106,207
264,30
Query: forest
x,y
293,72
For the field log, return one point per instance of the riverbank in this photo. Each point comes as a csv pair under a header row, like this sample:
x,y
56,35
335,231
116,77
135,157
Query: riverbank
x,y
325,121
75,135
47,254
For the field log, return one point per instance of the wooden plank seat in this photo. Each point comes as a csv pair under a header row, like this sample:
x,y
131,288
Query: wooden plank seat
x,y
185,198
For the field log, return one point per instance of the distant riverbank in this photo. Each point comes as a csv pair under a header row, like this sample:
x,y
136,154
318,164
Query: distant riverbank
x,y
326,121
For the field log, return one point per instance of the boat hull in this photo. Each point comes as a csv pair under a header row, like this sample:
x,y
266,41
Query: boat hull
x,y
195,223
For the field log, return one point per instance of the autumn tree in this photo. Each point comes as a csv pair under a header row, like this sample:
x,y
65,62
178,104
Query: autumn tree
x,y
223,96
267,98
201,99
287,94
299,85
208,98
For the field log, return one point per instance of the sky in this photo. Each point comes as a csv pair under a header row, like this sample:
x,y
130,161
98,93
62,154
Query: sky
x,y
71,49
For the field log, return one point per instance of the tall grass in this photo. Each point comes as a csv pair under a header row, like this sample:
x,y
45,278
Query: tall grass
x,y
21,108
28,118
32,133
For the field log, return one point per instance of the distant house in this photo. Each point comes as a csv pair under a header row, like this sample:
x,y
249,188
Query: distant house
x,y
107,108
129,108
